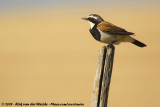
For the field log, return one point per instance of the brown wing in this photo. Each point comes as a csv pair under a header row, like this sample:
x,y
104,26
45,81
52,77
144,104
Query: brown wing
x,y
112,29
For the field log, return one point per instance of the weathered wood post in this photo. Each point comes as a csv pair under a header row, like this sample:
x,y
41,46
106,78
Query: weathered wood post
x,y
103,76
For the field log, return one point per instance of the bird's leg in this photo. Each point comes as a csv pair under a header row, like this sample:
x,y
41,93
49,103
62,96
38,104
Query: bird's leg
x,y
110,45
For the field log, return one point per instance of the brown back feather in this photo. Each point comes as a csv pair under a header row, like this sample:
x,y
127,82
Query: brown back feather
x,y
112,29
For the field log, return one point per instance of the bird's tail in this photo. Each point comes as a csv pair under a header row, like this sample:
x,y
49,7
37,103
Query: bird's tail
x,y
138,43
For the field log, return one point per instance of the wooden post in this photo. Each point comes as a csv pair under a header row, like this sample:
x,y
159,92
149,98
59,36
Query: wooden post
x,y
103,77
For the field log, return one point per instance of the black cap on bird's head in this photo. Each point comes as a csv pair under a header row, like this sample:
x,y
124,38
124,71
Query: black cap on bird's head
x,y
94,18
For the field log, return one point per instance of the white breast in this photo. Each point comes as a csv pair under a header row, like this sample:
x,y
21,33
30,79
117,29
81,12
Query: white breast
x,y
106,38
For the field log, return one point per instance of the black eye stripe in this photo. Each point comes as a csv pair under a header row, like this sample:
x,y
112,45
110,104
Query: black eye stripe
x,y
92,20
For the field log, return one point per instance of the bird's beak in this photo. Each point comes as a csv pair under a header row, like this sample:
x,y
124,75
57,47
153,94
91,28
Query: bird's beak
x,y
85,18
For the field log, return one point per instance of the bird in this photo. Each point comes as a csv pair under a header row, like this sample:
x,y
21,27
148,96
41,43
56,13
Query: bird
x,y
109,33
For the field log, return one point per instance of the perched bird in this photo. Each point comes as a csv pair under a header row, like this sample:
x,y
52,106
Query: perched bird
x,y
106,32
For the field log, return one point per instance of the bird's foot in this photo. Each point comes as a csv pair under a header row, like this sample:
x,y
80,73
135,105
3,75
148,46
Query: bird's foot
x,y
111,44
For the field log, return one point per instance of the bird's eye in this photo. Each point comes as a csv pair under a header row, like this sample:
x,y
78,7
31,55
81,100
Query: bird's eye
x,y
91,19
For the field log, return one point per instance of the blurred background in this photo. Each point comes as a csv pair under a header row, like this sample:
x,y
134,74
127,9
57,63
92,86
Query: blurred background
x,y
48,55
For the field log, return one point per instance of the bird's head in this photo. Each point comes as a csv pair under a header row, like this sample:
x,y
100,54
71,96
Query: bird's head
x,y
93,19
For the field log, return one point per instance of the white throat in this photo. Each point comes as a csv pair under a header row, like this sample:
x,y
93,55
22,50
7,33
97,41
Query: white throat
x,y
92,24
